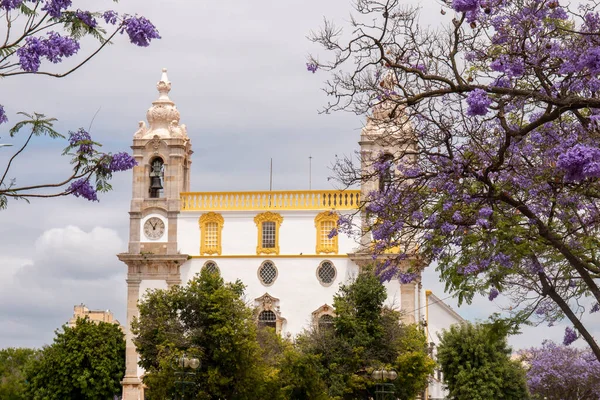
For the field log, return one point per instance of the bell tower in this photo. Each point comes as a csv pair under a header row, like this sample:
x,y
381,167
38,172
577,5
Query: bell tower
x,y
386,138
163,154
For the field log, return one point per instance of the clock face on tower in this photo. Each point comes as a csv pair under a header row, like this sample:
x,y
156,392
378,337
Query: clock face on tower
x,y
154,228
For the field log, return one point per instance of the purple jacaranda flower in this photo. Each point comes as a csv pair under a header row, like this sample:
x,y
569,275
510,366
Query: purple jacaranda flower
x,y
493,294
3,117
312,67
110,17
465,5
333,233
485,212
407,277
54,48
478,102
122,162
595,308
87,18
457,217
140,30
82,139
570,336
10,4
447,228
82,188
56,7
417,215
580,162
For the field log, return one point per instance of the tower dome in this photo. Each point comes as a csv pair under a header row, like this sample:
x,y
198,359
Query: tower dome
x,y
162,116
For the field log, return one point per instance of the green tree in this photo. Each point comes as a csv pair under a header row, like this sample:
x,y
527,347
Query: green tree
x,y
207,319
366,335
13,362
84,362
475,360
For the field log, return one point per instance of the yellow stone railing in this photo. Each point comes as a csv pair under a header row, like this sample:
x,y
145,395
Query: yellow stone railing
x,y
271,200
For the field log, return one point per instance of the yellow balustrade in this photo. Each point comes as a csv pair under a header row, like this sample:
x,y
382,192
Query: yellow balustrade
x,y
271,200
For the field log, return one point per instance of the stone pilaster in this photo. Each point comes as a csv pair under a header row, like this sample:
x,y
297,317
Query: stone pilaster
x,y
131,382
407,302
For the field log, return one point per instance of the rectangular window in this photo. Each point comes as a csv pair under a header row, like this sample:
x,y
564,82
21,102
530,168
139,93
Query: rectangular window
x,y
326,241
211,238
268,234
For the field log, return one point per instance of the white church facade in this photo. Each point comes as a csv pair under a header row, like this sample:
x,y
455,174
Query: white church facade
x,y
276,242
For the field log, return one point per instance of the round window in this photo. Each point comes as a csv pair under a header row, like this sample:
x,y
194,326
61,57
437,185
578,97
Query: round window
x,y
267,273
326,273
211,267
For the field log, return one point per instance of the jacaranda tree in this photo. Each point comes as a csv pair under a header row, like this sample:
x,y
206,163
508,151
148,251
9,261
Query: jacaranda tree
x,y
499,112
36,34
558,372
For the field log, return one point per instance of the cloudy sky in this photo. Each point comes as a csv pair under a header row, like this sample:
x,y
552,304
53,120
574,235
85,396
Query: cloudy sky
x,y
240,82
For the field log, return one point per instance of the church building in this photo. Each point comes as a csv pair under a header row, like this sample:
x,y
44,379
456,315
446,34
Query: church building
x,y
277,242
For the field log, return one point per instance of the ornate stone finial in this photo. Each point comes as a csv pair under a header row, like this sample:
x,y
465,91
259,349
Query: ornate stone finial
x,y
164,87
163,117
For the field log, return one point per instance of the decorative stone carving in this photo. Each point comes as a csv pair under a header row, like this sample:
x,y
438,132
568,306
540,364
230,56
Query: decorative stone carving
x,y
163,116
141,130
266,302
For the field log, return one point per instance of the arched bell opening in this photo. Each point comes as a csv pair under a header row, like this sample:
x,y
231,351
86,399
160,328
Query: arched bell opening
x,y
157,173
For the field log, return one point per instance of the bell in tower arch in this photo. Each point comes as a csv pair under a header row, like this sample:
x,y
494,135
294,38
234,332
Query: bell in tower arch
x,y
156,176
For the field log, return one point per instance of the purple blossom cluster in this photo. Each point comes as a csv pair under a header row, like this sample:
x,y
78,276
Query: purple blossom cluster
x,y
561,372
82,140
10,4
122,162
493,294
110,17
570,336
140,30
83,188
312,67
54,48
479,102
56,7
87,18
3,117
580,162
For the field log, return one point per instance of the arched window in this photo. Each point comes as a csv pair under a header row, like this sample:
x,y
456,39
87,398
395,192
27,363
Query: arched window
x,y
322,317
211,266
268,232
268,313
267,318
211,225
325,222
325,322
385,172
156,177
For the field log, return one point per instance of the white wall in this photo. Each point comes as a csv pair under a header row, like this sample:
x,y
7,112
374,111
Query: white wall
x,y
439,318
297,233
297,286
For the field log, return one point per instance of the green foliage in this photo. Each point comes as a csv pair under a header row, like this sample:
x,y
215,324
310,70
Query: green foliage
x,y
84,362
337,363
13,362
207,319
475,360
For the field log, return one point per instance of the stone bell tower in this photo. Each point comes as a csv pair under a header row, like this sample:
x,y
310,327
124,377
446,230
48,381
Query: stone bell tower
x,y
386,136
162,151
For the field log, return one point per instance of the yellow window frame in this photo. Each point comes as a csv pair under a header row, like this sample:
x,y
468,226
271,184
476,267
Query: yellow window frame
x,y
204,220
322,247
259,220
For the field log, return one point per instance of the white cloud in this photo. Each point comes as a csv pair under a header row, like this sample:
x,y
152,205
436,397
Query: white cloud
x,y
68,266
